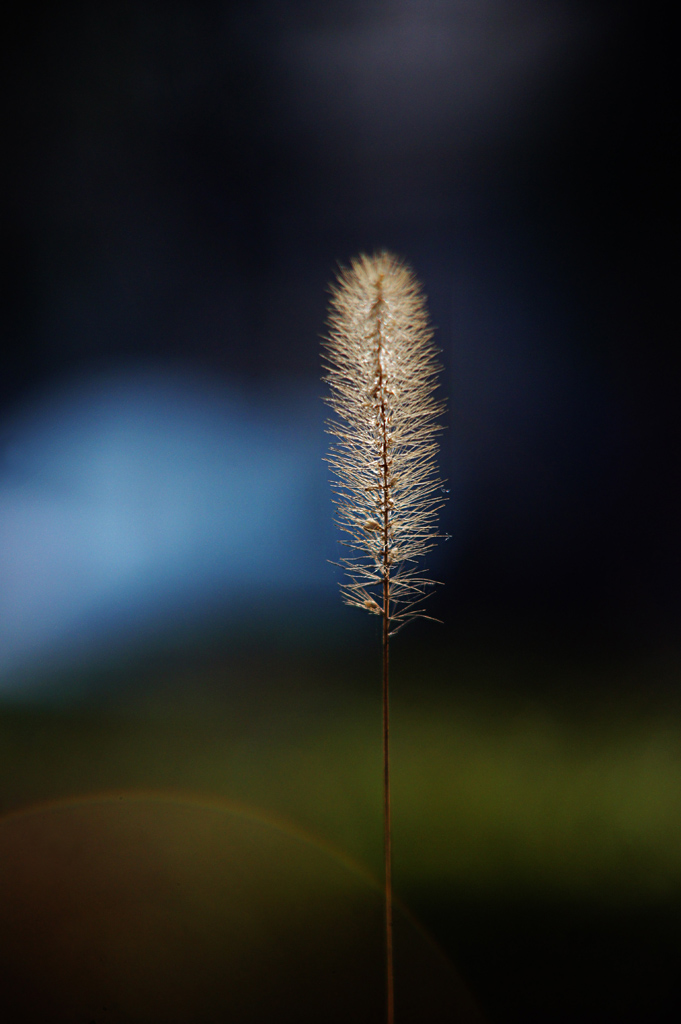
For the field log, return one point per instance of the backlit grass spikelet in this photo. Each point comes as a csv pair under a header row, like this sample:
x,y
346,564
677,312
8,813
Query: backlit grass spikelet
x,y
382,374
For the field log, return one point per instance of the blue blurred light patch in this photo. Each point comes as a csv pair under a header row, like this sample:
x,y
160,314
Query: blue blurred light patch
x,y
139,494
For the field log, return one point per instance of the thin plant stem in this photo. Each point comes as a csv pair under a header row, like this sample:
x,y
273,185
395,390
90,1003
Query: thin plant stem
x,y
387,826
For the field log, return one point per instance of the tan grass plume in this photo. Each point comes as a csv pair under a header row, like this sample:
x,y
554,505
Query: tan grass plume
x,y
382,373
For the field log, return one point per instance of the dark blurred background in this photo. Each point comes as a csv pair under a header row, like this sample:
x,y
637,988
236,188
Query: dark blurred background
x,y
182,179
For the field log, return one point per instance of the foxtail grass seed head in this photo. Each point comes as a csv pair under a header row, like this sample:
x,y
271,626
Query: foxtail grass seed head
x,y
382,373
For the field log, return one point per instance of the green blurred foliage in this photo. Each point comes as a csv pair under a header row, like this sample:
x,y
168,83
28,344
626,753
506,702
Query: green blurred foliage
x,y
570,791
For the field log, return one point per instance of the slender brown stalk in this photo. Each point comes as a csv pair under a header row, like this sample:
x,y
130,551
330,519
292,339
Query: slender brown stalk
x,y
382,371
387,825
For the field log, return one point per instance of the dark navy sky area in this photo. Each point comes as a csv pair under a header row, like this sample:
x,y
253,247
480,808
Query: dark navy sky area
x,y
182,178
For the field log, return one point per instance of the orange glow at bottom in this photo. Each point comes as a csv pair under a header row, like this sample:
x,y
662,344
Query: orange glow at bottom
x,y
139,907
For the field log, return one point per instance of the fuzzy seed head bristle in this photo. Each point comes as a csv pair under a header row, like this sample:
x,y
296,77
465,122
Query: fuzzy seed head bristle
x,y
382,373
